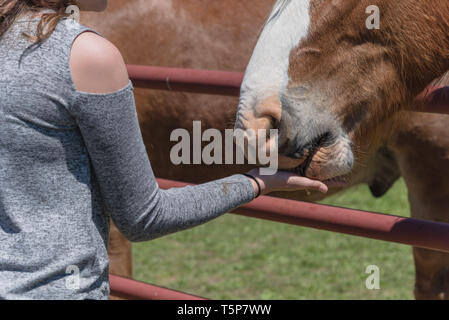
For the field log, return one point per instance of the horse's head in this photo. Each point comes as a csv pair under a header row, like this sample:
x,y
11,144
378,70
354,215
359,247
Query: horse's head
x,y
325,78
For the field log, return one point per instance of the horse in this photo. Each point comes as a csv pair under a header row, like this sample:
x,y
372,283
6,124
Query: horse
x,y
339,92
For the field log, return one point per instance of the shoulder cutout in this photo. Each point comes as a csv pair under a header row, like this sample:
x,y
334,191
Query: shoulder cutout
x,y
97,65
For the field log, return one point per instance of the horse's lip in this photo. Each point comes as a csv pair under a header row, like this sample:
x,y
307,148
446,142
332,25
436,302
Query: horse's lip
x,y
338,182
337,179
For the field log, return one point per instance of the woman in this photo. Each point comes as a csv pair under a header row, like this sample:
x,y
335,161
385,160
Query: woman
x,y
72,155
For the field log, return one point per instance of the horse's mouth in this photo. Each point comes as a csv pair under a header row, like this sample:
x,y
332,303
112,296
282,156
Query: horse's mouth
x,y
323,141
336,181
328,160
301,170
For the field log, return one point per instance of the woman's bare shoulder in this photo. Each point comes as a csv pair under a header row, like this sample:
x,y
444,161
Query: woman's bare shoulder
x,y
97,65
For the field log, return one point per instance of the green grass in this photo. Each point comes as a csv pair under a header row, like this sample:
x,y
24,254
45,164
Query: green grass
x,y
235,257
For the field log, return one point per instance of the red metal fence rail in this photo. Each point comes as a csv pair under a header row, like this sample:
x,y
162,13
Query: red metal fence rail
x,y
135,290
186,80
414,232
228,83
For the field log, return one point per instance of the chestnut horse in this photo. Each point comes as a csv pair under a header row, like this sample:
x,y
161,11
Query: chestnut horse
x,y
314,60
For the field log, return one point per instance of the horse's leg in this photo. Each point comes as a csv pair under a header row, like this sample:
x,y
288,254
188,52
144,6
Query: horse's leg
x,y
425,169
432,274
120,255
431,267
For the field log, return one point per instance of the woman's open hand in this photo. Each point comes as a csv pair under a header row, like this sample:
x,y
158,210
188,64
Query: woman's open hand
x,y
285,181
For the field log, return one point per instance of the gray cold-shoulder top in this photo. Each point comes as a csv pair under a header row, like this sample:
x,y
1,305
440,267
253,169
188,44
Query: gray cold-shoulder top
x,y
70,160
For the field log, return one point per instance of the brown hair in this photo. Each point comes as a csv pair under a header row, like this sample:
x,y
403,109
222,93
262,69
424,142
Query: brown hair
x,y
11,9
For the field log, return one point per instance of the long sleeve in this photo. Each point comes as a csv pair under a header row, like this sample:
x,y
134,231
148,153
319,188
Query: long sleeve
x,y
141,210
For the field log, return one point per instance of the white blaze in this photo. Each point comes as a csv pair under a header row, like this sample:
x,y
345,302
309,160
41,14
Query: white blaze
x,y
267,72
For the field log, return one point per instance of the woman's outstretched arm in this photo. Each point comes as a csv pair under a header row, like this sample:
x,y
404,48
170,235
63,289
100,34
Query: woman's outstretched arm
x,y
105,111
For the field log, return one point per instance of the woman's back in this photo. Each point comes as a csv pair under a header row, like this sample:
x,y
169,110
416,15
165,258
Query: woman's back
x,y
46,182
